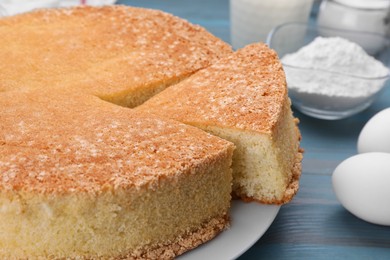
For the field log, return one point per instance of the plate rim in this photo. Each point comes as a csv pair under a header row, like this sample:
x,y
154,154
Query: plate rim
x,y
249,222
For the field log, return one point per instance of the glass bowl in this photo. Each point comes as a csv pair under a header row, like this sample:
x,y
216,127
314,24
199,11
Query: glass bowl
x,y
290,37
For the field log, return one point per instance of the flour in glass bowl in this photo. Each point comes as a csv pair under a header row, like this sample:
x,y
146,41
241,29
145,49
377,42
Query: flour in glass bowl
x,y
333,74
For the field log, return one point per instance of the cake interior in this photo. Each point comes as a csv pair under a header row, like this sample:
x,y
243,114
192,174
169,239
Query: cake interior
x,y
263,163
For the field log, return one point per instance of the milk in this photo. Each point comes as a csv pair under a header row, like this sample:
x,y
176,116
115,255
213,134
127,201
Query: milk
x,y
252,20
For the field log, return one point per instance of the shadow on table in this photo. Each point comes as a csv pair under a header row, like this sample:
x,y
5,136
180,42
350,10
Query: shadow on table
x,y
356,232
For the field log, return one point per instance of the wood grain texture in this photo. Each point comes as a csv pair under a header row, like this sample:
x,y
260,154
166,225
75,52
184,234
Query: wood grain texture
x,y
314,225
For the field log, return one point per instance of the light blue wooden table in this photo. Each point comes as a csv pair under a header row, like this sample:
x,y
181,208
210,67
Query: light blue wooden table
x,y
314,225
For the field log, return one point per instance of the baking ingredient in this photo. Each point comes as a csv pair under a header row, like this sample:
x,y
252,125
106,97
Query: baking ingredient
x,y
359,16
252,20
339,56
334,74
336,54
361,184
375,135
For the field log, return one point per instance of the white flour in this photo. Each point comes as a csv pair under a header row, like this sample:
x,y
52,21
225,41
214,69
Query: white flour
x,y
334,55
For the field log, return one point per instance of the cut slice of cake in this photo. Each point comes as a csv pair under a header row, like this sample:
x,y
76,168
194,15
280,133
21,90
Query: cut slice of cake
x,y
122,54
82,178
243,98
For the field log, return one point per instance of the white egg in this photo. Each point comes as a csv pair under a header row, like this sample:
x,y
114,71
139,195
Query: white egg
x,y
375,135
362,185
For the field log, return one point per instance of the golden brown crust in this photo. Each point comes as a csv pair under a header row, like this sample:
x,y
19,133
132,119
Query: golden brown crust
x,y
107,51
63,142
244,90
182,244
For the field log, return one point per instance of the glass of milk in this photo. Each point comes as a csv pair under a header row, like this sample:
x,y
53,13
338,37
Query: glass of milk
x,y
3,12
252,20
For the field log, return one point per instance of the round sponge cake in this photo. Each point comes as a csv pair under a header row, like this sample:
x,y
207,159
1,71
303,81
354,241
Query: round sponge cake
x,y
91,171
84,178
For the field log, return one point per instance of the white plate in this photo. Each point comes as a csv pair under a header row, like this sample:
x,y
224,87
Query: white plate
x,y
249,221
